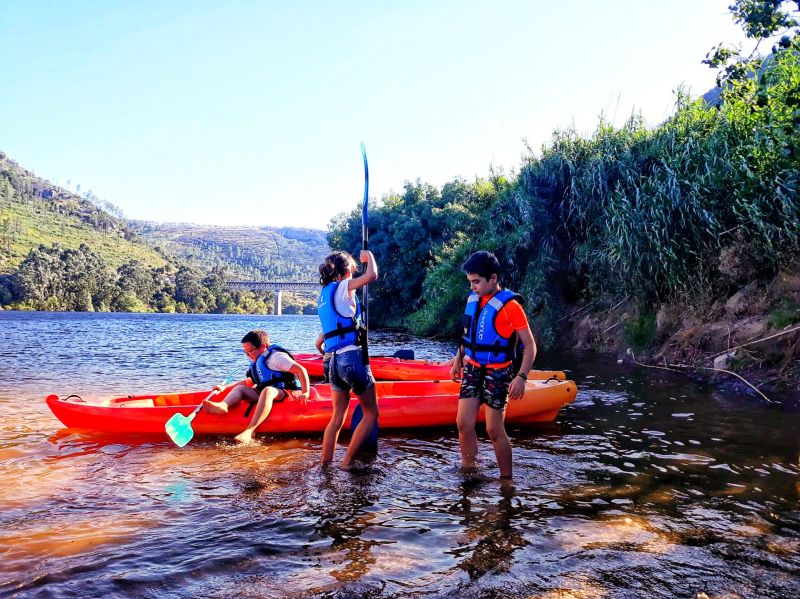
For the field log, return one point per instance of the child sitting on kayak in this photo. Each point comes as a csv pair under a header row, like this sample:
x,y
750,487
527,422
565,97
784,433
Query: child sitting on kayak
x,y
494,323
272,377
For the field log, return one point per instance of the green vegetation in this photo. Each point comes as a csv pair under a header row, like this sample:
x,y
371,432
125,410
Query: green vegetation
x,y
640,331
59,251
685,209
33,212
787,314
247,253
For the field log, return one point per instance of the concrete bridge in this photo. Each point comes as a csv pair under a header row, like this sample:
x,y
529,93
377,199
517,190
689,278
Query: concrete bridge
x,y
277,287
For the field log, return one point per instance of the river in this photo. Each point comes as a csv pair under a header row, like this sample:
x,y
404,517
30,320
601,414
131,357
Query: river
x,y
649,485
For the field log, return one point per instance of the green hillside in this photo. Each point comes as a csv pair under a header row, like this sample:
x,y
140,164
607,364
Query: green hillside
x,y
251,253
60,251
34,212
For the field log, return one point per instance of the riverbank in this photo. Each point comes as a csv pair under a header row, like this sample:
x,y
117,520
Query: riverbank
x,y
753,332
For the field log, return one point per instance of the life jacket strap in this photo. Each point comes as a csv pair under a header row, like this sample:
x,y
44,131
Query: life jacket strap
x,y
339,331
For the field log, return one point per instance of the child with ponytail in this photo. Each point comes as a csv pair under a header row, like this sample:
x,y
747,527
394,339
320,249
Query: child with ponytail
x,y
344,336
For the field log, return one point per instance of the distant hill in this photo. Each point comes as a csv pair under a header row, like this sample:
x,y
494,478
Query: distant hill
x,y
252,253
35,212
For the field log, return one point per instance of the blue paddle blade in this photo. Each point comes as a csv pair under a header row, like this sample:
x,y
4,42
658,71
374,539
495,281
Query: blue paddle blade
x,y
371,442
179,429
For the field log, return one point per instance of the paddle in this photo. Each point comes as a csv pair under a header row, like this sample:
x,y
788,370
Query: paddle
x,y
365,246
371,443
179,427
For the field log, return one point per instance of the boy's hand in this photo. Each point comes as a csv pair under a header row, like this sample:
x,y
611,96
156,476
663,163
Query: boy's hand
x,y
302,397
516,389
455,370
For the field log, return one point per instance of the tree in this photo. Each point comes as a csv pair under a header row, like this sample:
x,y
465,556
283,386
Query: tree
x,y
760,20
190,292
62,279
136,286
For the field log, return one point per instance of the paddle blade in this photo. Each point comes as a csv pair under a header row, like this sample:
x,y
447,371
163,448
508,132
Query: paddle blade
x,y
179,429
371,442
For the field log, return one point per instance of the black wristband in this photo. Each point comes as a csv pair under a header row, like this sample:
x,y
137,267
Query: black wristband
x,y
522,376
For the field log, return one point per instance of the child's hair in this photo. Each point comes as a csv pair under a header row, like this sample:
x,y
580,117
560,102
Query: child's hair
x,y
337,264
484,264
256,338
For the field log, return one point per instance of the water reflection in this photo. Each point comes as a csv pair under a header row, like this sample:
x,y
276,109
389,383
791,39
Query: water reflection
x,y
648,485
490,537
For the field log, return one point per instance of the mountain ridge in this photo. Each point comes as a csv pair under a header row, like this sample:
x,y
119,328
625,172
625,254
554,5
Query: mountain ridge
x,y
35,212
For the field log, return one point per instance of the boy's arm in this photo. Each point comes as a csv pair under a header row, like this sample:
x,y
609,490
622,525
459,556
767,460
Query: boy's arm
x,y
302,374
529,355
516,388
320,343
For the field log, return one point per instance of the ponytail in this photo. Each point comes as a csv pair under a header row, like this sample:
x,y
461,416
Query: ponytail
x,y
337,264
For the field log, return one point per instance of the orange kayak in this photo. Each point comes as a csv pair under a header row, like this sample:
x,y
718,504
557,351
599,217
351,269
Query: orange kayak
x,y
403,405
386,368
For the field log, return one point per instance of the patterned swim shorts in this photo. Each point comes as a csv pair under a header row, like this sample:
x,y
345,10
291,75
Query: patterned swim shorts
x,y
488,385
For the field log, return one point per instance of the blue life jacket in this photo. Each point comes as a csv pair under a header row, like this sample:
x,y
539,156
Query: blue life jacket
x,y
481,340
338,330
263,377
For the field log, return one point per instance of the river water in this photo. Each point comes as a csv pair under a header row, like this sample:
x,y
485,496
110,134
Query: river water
x,y
649,485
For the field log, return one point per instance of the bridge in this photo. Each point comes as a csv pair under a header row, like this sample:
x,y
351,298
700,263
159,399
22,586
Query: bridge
x,y
278,287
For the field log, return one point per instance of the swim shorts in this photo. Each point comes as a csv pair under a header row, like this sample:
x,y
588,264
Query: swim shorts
x,y
487,385
347,371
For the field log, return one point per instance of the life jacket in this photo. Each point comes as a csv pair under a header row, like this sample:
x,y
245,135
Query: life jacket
x,y
262,376
338,330
481,340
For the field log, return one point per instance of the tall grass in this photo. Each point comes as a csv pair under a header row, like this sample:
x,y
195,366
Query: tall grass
x,y
648,211
654,213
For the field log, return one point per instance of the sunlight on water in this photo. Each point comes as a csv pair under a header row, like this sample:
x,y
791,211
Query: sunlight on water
x,y
61,539
645,486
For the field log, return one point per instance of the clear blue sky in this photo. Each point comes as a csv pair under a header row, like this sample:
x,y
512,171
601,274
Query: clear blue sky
x,y
247,112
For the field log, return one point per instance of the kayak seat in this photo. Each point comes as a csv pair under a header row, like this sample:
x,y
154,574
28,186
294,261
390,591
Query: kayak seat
x,y
167,400
138,403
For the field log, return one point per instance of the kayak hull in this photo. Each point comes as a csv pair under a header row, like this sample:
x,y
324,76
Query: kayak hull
x,y
385,368
403,405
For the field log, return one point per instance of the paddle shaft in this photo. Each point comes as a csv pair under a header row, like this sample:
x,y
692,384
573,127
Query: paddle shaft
x,y
210,395
365,232
200,405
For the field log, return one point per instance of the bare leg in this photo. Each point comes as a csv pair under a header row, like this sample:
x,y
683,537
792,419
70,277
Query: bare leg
x,y
260,413
467,437
495,426
369,406
340,401
236,395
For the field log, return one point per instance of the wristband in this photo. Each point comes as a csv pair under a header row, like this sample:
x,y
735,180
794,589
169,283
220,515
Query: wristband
x,y
522,376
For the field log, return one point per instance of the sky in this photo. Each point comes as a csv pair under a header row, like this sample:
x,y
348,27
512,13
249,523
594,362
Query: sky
x,y
252,113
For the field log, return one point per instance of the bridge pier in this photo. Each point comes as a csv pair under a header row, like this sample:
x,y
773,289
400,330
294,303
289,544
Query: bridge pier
x,y
277,287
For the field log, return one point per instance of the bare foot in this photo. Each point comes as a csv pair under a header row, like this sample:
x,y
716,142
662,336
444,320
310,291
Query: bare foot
x,y
215,407
244,438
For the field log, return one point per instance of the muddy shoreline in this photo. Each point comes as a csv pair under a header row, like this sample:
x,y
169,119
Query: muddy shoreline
x,y
753,332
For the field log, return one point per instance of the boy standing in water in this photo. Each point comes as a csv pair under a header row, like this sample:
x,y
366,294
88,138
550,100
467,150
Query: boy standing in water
x,y
340,314
494,322
271,377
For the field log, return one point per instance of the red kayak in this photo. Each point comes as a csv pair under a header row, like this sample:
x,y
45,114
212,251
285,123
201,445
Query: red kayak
x,y
386,368
403,405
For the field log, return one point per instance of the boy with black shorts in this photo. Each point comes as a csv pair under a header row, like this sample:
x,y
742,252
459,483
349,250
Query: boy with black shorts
x,y
494,324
